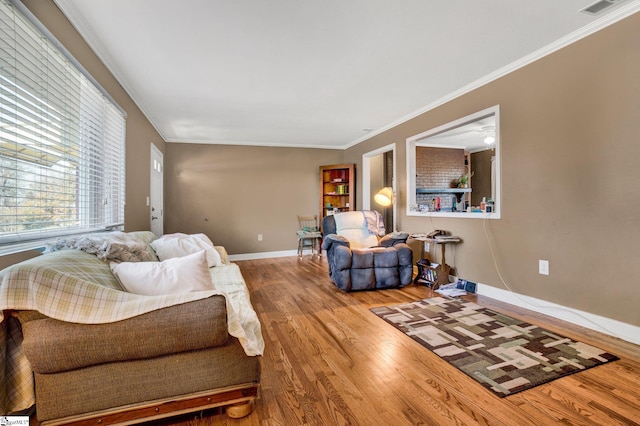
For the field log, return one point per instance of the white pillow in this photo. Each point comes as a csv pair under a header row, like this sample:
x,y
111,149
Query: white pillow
x,y
359,238
178,245
353,226
178,275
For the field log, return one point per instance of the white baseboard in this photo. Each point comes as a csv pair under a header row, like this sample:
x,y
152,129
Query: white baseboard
x,y
263,255
609,326
624,331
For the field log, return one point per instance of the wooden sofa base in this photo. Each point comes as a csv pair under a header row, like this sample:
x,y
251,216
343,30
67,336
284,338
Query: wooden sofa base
x,y
240,401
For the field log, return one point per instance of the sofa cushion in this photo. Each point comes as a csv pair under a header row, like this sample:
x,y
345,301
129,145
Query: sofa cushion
x,y
361,258
362,279
116,384
177,275
53,346
375,267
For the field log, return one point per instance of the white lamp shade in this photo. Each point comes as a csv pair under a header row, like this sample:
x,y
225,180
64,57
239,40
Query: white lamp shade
x,y
384,197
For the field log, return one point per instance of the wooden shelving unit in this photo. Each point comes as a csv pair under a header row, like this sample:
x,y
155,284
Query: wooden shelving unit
x,y
337,189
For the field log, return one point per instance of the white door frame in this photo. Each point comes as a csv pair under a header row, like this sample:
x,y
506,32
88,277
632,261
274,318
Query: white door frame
x,y
366,178
156,191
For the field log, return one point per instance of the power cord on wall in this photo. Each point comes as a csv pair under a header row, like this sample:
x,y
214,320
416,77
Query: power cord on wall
x,y
517,295
535,305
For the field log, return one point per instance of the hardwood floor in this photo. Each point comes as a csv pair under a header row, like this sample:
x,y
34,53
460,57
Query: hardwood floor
x,y
330,361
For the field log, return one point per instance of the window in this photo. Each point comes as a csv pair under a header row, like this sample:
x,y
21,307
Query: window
x,y
62,139
454,169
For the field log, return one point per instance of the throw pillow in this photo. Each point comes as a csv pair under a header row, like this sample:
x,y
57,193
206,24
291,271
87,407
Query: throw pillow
x,y
177,275
178,245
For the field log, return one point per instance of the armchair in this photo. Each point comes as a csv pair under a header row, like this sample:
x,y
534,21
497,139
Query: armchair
x,y
361,256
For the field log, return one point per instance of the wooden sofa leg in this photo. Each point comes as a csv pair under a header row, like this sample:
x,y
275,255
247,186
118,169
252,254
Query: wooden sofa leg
x,y
237,411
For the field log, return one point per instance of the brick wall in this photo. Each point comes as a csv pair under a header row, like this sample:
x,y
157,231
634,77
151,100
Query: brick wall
x,y
438,168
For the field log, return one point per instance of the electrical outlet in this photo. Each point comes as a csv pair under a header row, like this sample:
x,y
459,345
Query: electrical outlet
x,y
543,267
259,237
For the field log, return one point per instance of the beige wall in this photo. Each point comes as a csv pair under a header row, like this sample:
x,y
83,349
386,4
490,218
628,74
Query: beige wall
x,y
376,180
234,193
140,133
481,180
570,124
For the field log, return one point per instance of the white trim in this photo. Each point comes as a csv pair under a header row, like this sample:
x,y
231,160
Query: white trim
x,y
38,245
156,190
417,140
262,255
70,11
41,243
49,35
366,178
575,36
624,331
250,143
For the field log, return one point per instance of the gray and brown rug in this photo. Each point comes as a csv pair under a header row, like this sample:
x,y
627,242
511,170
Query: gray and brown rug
x,y
503,354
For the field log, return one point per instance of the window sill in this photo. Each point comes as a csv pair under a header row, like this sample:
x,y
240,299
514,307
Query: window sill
x,y
38,245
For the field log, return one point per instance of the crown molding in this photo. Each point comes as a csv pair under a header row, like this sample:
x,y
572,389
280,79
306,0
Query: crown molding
x,y
69,10
249,143
624,10
595,26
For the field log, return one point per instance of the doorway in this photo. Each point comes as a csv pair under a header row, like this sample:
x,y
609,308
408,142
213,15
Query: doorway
x,y
379,171
156,199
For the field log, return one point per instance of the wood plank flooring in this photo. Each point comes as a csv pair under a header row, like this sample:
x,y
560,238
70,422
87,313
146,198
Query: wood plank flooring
x,y
329,361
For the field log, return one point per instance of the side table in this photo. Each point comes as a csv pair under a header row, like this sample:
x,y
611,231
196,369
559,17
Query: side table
x,y
442,276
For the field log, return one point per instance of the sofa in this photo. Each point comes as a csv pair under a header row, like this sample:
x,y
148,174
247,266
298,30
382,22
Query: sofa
x,y
86,350
362,256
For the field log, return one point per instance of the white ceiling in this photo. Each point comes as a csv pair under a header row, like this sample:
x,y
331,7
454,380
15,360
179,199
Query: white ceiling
x,y
468,136
315,73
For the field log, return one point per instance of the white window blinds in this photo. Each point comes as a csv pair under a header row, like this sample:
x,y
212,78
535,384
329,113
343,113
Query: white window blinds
x,y
62,141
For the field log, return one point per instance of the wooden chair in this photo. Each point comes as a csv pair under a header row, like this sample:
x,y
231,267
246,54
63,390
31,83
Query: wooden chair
x,y
309,235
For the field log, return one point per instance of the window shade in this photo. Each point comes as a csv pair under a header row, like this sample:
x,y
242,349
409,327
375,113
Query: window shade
x,y
62,141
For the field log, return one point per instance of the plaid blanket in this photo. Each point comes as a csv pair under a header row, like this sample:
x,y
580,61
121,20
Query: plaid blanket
x,y
75,286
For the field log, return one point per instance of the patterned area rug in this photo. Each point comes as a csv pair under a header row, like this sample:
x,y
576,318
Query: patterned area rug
x,y
503,354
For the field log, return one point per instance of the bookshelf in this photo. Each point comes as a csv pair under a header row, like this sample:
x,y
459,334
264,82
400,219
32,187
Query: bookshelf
x,y
337,188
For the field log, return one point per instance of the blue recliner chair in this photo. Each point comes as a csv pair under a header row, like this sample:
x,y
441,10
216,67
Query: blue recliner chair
x,y
361,256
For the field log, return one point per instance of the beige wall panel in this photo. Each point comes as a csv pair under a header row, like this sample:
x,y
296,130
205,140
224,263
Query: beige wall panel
x,y
12,259
569,124
234,193
140,133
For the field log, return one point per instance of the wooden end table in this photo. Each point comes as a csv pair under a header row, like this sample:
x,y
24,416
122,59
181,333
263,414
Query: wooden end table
x,y
443,269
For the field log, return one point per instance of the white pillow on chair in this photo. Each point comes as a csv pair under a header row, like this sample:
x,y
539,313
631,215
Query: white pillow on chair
x,y
353,226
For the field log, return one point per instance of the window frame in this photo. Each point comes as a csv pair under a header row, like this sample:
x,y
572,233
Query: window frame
x,y
104,132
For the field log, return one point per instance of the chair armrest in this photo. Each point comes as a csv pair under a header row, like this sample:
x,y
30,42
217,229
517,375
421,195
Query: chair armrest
x,y
393,238
336,239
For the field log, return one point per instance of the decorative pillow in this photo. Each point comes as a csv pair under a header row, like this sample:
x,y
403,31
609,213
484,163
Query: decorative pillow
x,y
177,275
178,245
